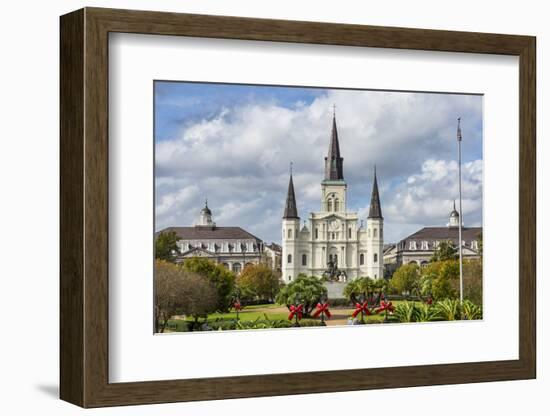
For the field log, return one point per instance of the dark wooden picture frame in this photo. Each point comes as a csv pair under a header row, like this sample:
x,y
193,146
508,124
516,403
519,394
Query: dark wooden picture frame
x,y
84,207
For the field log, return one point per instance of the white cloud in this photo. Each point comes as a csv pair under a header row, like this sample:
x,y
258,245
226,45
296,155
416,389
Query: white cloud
x,y
240,159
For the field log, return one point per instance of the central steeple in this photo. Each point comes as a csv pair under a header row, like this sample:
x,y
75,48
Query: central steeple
x,y
334,163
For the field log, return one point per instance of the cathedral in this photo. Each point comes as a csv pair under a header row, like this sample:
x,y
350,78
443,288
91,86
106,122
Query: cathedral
x,y
333,235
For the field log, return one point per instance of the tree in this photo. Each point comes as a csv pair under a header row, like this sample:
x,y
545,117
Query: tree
x,y
406,279
308,290
219,276
357,287
440,279
178,291
259,281
445,251
473,280
166,246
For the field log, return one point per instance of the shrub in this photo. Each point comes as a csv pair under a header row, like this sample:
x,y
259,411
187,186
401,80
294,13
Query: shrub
x,y
471,311
426,313
448,309
405,312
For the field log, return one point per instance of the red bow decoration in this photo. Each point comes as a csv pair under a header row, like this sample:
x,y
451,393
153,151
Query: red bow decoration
x,y
429,301
385,306
295,310
358,308
322,307
237,306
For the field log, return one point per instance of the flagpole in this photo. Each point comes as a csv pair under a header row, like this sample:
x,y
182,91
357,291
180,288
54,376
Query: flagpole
x,y
459,141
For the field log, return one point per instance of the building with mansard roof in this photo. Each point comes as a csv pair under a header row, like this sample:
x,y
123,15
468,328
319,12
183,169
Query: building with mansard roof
x,y
232,247
332,234
420,246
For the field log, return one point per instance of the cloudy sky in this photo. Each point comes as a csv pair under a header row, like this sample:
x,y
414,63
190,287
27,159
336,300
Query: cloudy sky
x,y
233,144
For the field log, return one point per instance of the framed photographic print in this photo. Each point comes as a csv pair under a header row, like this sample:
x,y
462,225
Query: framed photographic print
x,y
335,207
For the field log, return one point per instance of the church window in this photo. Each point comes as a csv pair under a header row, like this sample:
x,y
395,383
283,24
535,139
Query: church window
x,y
349,232
375,257
374,233
425,245
361,259
412,245
329,205
333,236
236,268
289,258
304,260
316,233
289,278
290,233
336,205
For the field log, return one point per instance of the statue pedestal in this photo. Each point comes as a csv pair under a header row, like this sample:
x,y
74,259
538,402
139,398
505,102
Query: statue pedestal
x,y
335,290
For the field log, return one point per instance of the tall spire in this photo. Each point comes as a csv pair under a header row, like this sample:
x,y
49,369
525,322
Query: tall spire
x,y
291,211
375,211
334,163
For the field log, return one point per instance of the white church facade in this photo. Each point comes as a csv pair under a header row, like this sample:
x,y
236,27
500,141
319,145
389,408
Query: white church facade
x,y
333,234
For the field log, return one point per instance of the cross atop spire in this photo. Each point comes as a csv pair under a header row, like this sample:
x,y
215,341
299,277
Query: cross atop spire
x,y
334,163
375,210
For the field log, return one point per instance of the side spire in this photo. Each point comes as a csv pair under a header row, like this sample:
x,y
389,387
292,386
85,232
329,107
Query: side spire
x,y
375,211
334,163
291,210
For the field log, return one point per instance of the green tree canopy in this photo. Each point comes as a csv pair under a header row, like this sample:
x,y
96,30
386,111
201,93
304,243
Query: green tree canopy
x,y
357,287
166,247
219,276
259,281
445,251
309,291
440,279
406,279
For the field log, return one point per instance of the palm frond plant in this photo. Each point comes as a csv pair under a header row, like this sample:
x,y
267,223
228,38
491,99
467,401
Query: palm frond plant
x,y
427,313
471,311
448,309
405,312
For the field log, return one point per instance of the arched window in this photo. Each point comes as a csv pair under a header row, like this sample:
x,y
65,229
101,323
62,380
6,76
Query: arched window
x,y
304,260
375,257
336,205
225,265
316,233
289,258
361,259
349,232
290,233
374,233
237,268
329,205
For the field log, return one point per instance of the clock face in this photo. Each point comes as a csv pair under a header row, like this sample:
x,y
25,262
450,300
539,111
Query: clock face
x,y
334,225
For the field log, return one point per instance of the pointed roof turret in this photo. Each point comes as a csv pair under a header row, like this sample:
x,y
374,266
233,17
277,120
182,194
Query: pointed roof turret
x,y
291,210
334,163
375,211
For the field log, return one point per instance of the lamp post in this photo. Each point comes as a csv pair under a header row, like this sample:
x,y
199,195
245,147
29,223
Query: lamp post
x,y
459,142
